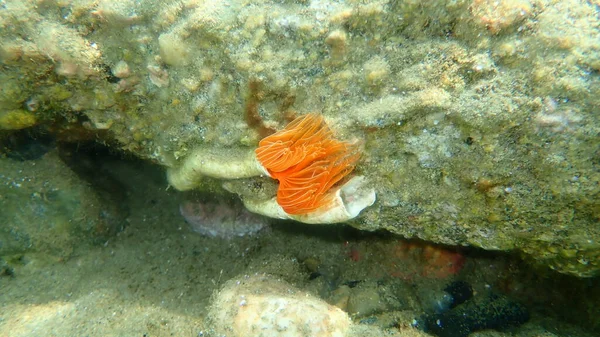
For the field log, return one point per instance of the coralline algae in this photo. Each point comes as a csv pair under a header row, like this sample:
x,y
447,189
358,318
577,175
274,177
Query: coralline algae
x,y
219,219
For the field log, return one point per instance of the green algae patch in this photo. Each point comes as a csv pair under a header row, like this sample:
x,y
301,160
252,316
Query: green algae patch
x,y
16,120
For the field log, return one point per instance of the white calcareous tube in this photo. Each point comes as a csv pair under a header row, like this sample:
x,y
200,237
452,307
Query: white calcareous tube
x,y
350,199
207,163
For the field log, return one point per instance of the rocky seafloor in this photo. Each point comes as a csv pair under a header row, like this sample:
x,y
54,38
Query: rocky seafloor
x,y
478,117
477,122
155,275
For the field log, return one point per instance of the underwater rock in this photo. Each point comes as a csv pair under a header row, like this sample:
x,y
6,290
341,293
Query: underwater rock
x,y
439,301
261,305
459,291
16,120
365,301
47,209
23,145
491,311
478,117
222,220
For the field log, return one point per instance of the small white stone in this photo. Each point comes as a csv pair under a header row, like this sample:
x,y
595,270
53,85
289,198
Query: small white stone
x,y
121,69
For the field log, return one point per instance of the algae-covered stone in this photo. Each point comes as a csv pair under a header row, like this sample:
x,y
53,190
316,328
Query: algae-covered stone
x,y
46,209
263,305
16,119
479,118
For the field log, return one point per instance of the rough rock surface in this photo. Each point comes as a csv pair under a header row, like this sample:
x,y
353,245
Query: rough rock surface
x,y
478,116
262,305
48,210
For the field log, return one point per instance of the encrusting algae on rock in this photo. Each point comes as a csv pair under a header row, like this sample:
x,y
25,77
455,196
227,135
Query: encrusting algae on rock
x,y
16,120
310,165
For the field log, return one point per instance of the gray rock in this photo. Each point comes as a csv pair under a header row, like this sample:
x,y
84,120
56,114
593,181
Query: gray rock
x,y
479,118
47,209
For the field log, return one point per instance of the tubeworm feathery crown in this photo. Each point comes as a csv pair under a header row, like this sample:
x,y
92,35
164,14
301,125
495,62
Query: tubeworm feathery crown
x,y
308,161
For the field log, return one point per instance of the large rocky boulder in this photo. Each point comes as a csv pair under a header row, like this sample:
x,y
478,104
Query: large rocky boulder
x,y
478,117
